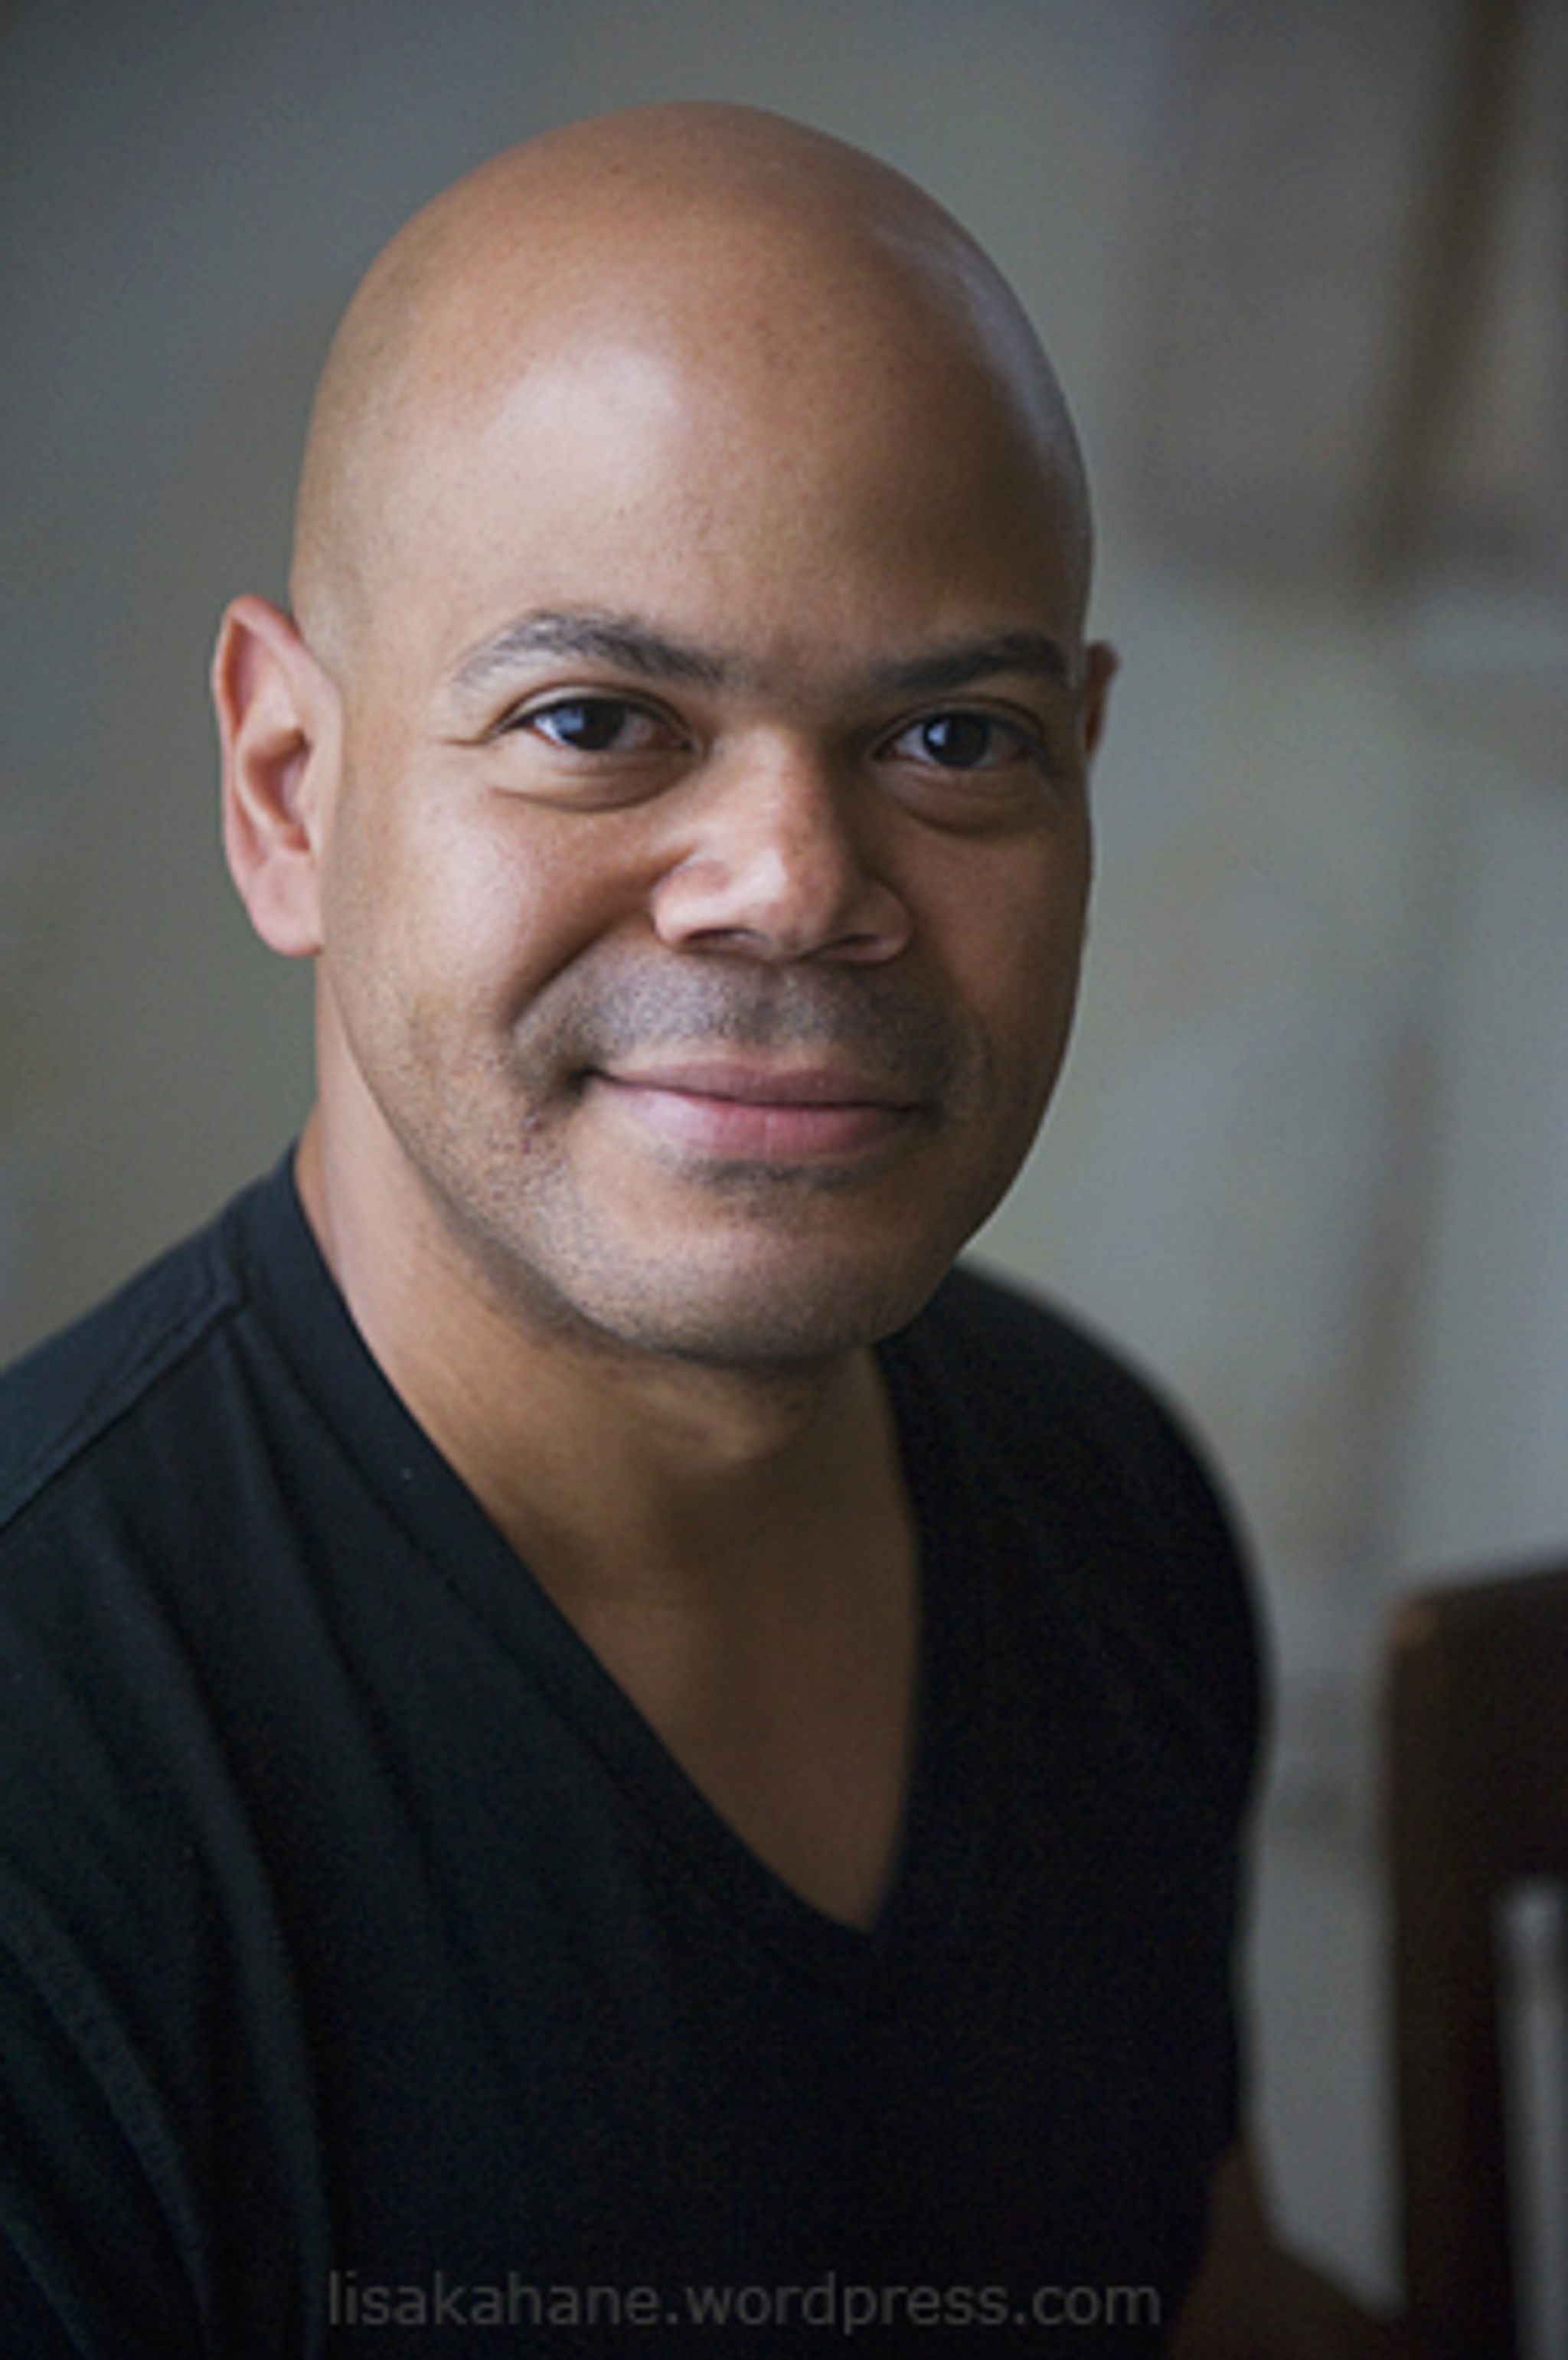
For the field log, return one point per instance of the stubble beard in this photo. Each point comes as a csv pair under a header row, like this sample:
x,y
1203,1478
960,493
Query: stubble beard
x,y
769,1266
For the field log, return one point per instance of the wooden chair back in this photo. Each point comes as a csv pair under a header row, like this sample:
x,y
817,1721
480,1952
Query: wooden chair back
x,y
1476,1765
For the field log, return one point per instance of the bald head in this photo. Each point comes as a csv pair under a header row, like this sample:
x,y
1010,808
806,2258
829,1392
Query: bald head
x,y
719,240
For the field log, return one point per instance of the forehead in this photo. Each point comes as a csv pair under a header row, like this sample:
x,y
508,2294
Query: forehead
x,y
751,437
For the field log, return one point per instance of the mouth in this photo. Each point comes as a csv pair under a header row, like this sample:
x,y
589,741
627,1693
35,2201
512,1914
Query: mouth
x,y
758,1112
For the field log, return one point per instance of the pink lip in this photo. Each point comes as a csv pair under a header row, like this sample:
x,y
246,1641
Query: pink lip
x,y
758,1113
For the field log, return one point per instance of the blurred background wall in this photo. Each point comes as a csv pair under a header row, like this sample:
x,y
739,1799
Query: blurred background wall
x,y
1301,264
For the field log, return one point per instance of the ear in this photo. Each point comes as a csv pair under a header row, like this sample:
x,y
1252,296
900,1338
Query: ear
x,y
278,720
1101,665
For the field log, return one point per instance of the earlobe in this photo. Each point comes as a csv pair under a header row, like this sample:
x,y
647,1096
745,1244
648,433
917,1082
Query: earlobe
x,y
276,721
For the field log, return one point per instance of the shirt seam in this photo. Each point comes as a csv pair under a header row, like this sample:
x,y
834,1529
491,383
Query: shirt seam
x,y
96,1420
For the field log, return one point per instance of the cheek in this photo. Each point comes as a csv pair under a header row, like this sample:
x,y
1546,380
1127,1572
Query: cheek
x,y
452,923
1012,944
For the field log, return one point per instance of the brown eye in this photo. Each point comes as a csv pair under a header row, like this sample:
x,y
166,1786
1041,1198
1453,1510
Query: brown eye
x,y
963,740
597,724
960,741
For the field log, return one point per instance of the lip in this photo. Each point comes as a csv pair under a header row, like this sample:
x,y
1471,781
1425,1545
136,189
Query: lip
x,y
758,1113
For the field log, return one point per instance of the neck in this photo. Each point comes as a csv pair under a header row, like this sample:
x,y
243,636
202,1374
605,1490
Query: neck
x,y
734,1545
717,1471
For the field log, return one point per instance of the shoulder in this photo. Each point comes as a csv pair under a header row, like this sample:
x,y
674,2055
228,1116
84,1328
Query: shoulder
x,y
1085,1468
75,1397
1028,1372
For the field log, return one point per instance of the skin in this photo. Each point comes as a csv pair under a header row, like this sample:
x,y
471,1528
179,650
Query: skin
x,y
748,880
676,765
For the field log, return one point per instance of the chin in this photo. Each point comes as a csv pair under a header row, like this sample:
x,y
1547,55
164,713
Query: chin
x,y
761,1272
791,1312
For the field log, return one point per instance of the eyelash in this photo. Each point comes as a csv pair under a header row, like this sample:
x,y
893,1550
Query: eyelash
x,y
622,707
1019,740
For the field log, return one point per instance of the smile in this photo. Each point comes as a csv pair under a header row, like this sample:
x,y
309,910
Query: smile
x,y
754,1114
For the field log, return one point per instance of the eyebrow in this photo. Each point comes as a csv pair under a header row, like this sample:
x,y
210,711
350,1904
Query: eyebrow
x,y
626,644
967,662
619,641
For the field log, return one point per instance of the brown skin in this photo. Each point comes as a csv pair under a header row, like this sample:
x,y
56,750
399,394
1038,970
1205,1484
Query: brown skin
x,y
678,773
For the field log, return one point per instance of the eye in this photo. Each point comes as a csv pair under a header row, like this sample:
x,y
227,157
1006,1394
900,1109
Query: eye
x,y
597,725
965,740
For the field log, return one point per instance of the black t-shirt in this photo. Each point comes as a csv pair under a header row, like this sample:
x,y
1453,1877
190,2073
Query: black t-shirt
x,y
371,1978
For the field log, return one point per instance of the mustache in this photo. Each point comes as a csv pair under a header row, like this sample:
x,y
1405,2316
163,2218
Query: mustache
x,y
898,1032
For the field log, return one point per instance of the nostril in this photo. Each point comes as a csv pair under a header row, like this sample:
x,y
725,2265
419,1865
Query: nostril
x,y
777,861
778,902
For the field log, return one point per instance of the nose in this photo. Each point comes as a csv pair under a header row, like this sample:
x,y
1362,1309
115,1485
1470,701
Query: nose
x,y
774,867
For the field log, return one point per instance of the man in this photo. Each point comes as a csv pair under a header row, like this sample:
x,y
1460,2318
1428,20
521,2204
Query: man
x,y
584,1769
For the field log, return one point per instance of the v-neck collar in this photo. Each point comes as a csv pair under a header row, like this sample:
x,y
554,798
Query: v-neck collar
x,y
442,1519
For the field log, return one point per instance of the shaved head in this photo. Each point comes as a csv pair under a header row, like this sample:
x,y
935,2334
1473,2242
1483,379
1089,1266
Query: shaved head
x,y
676,760
716,238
